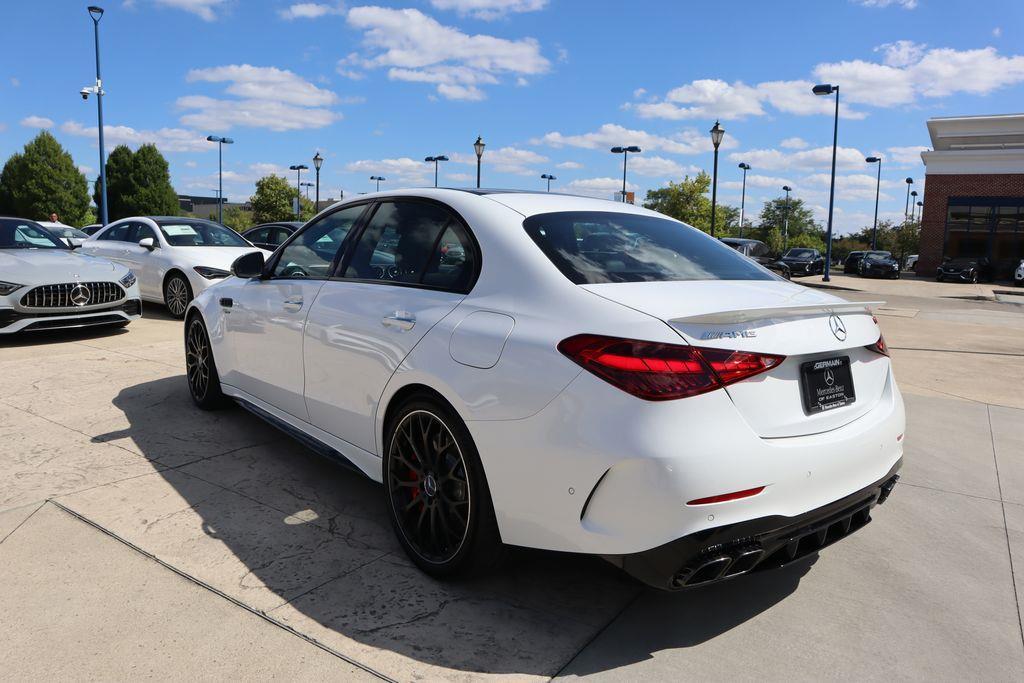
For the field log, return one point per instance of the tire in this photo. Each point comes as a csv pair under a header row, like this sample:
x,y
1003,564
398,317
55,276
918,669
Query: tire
x,y
439,504
974,279
938,278
200,367
177,295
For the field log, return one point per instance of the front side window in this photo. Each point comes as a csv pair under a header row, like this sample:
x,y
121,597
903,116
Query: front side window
x,y
19,234
413,243
592,247
200,234
311,254
116,233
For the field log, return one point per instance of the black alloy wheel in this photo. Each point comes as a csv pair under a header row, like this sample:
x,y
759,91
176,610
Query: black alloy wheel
x,y
200,368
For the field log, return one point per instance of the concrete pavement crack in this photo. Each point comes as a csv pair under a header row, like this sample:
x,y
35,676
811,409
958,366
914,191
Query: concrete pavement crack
x,y
1006,528
11,532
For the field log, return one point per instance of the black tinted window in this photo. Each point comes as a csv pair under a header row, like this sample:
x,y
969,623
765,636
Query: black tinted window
x,y
312,252
591,247
257,236
402,240
118,233
20,234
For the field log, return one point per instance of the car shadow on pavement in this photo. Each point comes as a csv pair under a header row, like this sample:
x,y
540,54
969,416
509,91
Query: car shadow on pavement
x,y
254,514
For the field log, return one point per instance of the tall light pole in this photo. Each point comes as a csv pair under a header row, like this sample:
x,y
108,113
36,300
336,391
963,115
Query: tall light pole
x,y
717,133
624,151
828,89
878,186
478,147
318,161
548,177
221,141
307,186
785,220
97,13
298,168
378,178
743,195
436,159
906,206
920,210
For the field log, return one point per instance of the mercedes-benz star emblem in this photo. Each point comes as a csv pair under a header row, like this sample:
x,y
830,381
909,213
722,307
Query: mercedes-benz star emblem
x,y
80,295
830,379
837,326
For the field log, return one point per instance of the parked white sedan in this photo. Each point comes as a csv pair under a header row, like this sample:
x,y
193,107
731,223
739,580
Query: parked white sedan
x,y
561,373
174,258
44,285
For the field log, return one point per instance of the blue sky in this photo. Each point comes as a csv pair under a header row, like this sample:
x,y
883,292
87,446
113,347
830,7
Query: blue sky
x,y
549,84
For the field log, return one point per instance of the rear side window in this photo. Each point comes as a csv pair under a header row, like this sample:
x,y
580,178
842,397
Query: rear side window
x,y
592,247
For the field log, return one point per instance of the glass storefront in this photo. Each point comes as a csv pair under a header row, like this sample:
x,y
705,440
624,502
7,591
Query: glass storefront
x,y
986,226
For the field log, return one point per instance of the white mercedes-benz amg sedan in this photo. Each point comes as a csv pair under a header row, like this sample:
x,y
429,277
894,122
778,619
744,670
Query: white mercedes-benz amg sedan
x,y
561,373
44,285
174,258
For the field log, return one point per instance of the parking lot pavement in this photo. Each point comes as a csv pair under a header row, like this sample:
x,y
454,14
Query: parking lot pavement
x,y
178,542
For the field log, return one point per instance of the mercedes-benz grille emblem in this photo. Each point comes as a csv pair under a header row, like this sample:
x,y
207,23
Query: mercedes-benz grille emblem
x,y
837,326
80,295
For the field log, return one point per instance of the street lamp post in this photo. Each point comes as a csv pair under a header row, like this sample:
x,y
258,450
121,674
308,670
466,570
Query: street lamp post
x,y
624,151
717,133
307,186
878,185
743,195
785,220
436,159
548,177
906,206
97,13
920,210
478,147
318,161
298,168
378,178
221,141
828,89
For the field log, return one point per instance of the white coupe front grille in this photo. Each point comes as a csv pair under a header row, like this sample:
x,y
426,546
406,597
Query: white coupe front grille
x,y
73,295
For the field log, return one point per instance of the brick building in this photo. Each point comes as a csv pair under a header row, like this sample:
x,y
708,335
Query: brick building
x,y
974,192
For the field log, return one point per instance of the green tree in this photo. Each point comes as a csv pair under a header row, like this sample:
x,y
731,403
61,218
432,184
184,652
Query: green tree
x,y
138,184
42,179
803,230
689,201
237,219
272,200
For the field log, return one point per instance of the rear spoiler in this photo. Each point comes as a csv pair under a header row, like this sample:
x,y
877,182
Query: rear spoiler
x,y
796,311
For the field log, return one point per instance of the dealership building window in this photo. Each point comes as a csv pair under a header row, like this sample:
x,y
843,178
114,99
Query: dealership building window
x,y
992,227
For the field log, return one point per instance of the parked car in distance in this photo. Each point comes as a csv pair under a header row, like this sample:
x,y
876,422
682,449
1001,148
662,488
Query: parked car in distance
x,y
852,262
73,237
92,228
45,285
878,264
804,261
759,252
911,262
964,269
174,258
270,236
588,376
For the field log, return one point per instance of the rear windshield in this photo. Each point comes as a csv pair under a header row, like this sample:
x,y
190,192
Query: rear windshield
x,y
592,247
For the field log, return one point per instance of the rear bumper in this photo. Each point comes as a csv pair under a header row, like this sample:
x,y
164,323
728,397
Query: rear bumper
x,y
732,550
12,320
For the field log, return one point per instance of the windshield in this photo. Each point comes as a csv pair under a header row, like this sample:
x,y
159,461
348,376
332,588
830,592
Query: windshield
x,y
200,234
878,255
69,232
20,234
592,247
800,253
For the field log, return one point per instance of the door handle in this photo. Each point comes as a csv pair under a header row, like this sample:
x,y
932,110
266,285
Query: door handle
x,y
294,302
401,320
227,302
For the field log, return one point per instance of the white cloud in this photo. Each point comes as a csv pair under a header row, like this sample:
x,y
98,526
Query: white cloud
x,y
460,177
204,9
906,156
166,139
87,171
570,165
505,160
190,164
809,159
310,10
403,169
36,122
272,98
997,32
794,143
901,53
905,4
603,188
704,98
853,186
689,141
416,47
757,180
655,166
639,92
489,10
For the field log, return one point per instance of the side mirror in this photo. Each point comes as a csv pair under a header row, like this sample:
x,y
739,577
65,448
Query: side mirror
x,y
147,243
74,246
249,265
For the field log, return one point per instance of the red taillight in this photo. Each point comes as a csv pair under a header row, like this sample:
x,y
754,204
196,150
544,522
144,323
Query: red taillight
x,y
722,498
661,372
879,347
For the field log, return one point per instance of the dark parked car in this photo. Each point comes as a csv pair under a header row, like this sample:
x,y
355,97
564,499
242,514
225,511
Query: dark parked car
x,y
804,261
879,264
758,251
852,262
965,269
270,235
